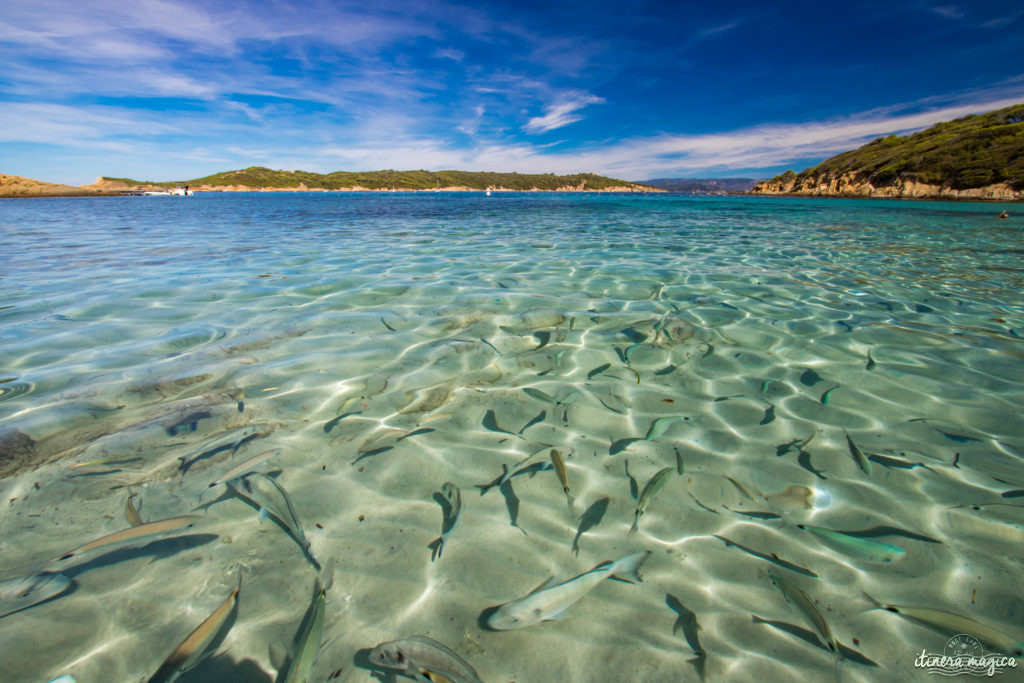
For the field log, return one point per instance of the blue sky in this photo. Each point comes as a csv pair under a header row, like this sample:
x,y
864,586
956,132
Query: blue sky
x,y
161,90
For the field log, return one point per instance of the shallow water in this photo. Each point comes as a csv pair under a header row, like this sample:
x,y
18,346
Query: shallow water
x,y
383,343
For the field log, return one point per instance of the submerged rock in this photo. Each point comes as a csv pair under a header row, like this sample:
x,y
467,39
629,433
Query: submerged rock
x,y
16,450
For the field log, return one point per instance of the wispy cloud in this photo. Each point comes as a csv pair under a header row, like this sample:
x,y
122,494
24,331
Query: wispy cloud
x,y
948,11
561,113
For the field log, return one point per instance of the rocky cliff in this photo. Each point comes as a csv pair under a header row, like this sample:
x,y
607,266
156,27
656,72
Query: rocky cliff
x,y
975,157
852,184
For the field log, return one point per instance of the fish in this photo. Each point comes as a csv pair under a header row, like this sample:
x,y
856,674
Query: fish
x,y
542,337
130,513
679,461
135,535
622,444
896,463
827,395
615,403
740,487
652,487
773,558
539,395
959,438
661,425
952,624
569,398
451,499
551,600
305,647
563,476
865,549
598,370
332,423
271,499
197,646
667,370
870,365
769,415
231,441
422,658
588,520
799,599
861,461
630,349
245,466
23,592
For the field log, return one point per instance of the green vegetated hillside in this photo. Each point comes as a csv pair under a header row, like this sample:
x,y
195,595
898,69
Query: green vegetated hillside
x,y
258,176
970,152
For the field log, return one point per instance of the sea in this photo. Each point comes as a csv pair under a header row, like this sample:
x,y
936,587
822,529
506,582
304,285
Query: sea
x,y
384,415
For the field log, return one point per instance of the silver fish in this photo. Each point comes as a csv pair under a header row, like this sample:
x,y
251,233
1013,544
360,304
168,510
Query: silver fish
x,y
196,646
563,476
858,456
270,498
864,548
136,535
952,624
798,598
552,601
418,656
20,593
245,466
231,441
305,646
652,487
453,496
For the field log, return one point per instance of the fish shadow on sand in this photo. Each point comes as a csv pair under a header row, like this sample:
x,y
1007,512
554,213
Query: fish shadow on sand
x,y
686,621
157,550
512,503
362,661
72,587
223,668
773,558
812,638
482,620
588,520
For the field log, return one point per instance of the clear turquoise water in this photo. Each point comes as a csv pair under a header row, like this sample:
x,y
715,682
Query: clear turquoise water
x,y
136,331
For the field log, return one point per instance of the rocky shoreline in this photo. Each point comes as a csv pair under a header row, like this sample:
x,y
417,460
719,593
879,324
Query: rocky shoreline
x,y
853,185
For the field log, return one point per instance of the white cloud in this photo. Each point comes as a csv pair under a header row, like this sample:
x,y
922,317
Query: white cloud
x,y
561,113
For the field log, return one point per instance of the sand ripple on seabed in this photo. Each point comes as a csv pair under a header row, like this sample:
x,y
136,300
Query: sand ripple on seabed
x,y
750,366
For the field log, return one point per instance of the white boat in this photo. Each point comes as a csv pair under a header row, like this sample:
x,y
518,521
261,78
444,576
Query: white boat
x,y
176,192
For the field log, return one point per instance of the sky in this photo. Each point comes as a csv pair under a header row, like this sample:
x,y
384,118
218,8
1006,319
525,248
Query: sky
x,y
159,90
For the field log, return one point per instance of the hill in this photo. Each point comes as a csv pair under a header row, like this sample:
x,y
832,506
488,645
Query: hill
x,y
260,178
975,157
17,186
702,185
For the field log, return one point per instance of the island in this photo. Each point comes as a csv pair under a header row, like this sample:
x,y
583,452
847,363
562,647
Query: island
x,y
258,178
975,157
